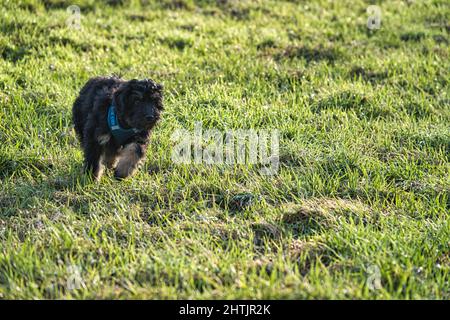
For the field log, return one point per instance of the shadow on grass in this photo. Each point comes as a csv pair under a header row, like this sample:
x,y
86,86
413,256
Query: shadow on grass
x,y
22,165
34,181
368,75
317,53
363,106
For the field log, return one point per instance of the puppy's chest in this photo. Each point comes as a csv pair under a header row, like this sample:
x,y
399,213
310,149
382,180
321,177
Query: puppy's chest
x,y
106,138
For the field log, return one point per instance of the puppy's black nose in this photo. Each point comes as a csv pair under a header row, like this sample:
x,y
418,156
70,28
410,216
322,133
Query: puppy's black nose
x,y
149,117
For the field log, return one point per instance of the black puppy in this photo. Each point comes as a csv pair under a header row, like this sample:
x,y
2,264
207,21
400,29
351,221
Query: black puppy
x,y
113,119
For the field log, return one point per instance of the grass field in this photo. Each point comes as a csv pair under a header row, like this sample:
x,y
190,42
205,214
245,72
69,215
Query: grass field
x,y
359,208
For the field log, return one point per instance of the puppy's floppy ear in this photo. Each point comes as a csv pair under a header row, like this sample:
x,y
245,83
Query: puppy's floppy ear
x,y
120,96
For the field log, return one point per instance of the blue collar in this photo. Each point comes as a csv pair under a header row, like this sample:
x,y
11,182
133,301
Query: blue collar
x,y
120,135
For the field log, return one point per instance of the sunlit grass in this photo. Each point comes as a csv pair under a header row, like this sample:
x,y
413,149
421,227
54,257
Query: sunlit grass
x,y
364,171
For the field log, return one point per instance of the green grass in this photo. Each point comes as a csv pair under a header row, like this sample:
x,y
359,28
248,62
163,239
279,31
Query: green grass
x,y
364,152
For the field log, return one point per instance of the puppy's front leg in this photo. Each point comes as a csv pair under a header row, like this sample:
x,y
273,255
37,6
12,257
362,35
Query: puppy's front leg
x,y
110,157
92,159
131,157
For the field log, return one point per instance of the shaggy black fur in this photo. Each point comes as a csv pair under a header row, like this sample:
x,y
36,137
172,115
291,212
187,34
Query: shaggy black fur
x,y
138,103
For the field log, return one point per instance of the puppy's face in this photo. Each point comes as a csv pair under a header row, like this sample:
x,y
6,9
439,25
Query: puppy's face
x,y
139,103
